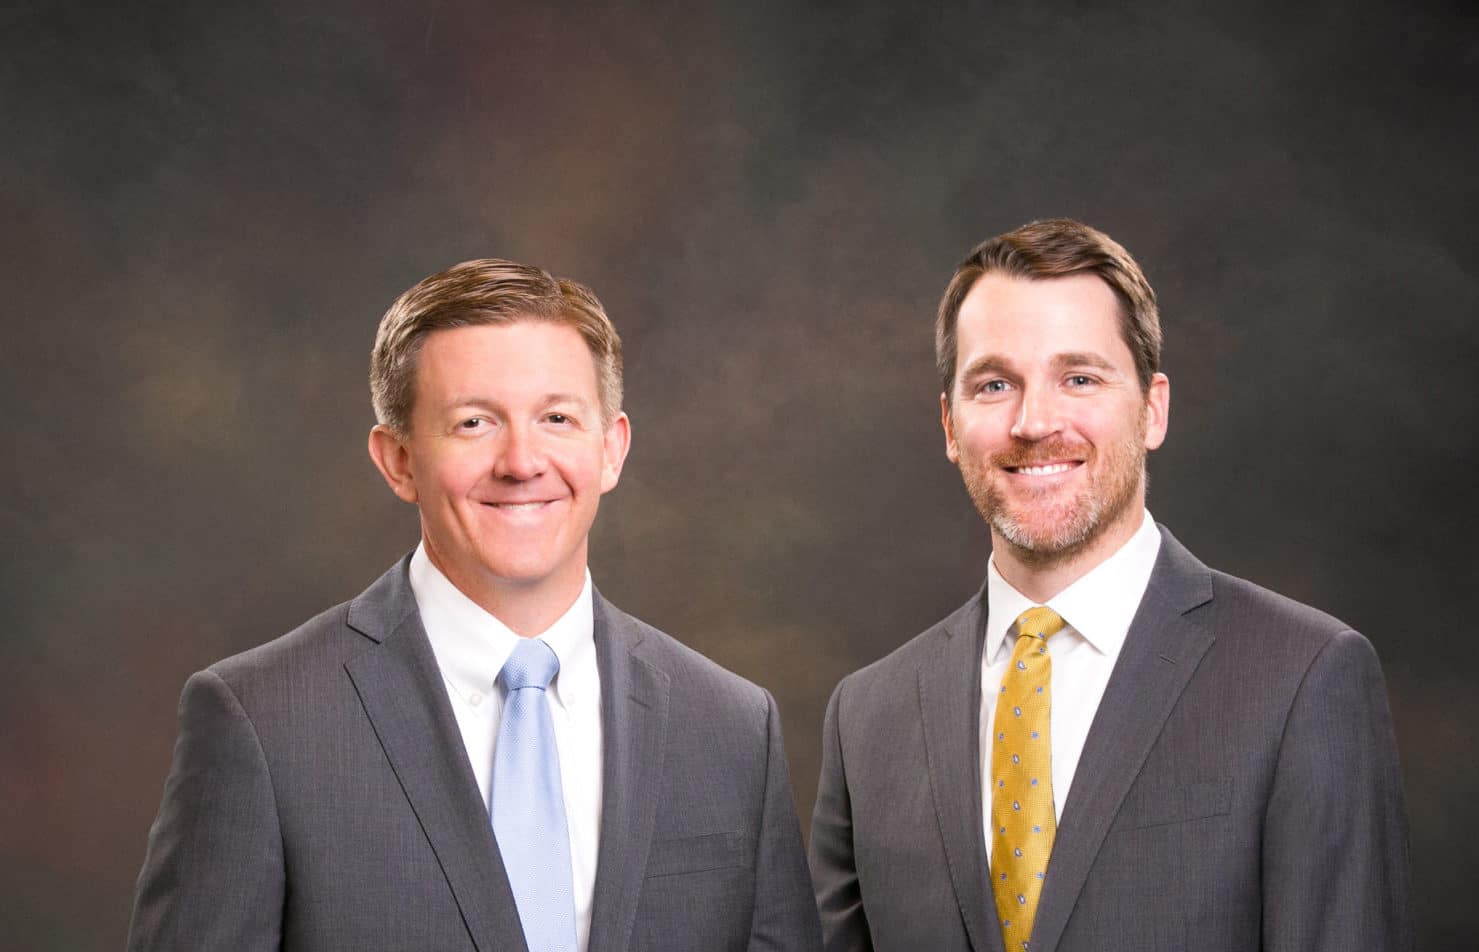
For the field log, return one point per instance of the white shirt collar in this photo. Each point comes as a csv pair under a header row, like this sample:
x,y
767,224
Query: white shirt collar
x,y
1099,606
471,645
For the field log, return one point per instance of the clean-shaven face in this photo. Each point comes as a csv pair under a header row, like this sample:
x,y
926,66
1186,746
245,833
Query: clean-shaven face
x,y
1049,425
507,455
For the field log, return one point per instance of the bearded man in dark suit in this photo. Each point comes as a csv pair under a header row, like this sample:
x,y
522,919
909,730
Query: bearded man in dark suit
x,y
1111,746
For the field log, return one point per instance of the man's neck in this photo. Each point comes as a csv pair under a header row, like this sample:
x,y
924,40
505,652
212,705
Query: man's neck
x,y
527,614
1041,579
527,609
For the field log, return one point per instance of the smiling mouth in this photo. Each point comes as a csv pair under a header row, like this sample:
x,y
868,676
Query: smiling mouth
x,y
1044,469
519,506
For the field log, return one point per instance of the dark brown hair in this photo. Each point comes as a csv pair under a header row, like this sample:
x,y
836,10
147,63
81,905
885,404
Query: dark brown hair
x,y
1056,248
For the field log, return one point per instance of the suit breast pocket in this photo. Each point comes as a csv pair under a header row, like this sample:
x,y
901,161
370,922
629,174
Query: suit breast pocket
x,y
1165,805
695,854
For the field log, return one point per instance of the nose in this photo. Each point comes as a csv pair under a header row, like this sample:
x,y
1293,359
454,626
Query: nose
x,y
1038,415
519,455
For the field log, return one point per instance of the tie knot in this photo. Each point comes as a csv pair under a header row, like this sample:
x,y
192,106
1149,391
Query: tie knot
x,y
532,665
1040,622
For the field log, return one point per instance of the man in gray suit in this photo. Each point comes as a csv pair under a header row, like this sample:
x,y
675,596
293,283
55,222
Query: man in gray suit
x,y
480,752
1111,746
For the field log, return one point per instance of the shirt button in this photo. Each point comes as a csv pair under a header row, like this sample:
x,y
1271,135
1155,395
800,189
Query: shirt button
x,y
475,699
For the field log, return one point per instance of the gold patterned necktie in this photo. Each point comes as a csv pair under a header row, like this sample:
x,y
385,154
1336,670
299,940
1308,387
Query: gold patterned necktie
x,y
1022,820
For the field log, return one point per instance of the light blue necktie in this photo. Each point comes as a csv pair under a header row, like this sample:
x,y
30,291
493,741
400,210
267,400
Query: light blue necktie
x,y
529,803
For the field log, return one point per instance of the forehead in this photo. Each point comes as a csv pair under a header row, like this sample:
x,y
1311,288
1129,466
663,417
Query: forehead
x,y
521,359
1022,319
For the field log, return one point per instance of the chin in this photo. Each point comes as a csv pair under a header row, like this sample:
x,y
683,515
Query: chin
x,y
1043,529
1047,542
521,574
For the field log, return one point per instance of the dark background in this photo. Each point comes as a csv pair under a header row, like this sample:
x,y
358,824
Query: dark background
x,y
207,206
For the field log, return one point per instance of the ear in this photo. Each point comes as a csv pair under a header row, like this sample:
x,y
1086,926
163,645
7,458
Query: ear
x,y
614,445
952,449
393,458
1157,411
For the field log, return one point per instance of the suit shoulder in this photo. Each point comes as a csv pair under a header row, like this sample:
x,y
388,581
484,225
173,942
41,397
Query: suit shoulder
x,y
1240,598
692,673
1274,626
906,658
323,641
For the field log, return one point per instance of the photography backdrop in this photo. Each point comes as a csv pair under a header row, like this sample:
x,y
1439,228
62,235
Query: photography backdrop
x,y
207,206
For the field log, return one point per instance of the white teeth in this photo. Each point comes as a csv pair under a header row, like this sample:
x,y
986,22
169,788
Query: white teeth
x,y
518,505
1045,470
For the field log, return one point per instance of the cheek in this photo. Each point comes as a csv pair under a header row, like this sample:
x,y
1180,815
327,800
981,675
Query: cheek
x,y
452,476
1106,423
591,475
979,434
581,466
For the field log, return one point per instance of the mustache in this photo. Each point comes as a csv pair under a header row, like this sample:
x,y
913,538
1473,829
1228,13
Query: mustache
x,y
1023,453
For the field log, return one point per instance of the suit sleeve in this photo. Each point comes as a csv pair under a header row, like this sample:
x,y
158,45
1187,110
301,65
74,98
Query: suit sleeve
x,y
785,917
833,866
1335,863
213,873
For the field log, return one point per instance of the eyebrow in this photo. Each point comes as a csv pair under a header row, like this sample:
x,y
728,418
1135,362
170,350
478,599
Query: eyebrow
x,y
1084,359
470,400
988,364
553,398
996,364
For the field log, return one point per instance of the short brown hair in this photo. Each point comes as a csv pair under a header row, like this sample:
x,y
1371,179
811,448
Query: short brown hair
x,y
1055,248
485,291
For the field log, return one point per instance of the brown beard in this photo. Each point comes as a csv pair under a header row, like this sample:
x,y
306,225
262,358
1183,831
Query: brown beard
x,y
1074,526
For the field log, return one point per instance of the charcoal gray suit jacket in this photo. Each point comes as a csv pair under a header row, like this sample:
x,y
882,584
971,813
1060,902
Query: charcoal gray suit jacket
x,y
321,799
1238,789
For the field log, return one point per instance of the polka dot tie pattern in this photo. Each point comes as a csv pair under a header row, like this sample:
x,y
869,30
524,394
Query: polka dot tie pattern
x,y
1022,820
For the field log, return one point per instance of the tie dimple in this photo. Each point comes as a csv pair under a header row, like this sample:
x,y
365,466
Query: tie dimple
x,y
532,665
1022,817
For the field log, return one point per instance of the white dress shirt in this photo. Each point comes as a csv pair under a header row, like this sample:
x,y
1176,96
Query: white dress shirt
x,y
471,647
1097,609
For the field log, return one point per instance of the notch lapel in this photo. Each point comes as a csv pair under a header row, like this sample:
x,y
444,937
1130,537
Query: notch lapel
x,y
400,686
634,714
950,706
1159,657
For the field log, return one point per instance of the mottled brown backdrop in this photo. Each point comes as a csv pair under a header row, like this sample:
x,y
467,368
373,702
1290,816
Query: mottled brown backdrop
x,y
206,207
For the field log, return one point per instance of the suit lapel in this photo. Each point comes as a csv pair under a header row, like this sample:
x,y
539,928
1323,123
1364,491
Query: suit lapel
x,y
950,705
634,713
400,686
1159,657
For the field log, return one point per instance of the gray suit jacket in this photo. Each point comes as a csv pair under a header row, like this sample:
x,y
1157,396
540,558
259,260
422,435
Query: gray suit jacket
x,y
1238,790
321,799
